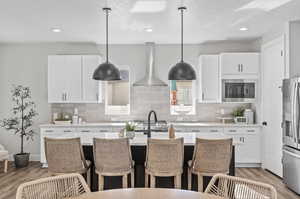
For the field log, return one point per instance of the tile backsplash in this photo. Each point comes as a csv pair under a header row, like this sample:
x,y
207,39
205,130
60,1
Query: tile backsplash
x,y
144,99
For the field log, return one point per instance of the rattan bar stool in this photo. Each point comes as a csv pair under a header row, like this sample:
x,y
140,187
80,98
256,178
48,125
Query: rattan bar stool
x,y
55,187
66,156
113,158
210,157
164,159
238,188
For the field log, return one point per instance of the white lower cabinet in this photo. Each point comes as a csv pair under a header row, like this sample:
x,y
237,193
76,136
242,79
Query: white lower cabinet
x,y
247,144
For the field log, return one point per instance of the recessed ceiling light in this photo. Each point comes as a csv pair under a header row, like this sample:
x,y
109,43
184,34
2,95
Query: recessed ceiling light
x,y
244,29
265,5
148,29
56,30
149,6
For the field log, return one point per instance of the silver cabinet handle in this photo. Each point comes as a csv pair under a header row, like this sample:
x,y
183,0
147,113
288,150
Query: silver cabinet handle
x,y
97,97
232,131
214,131
63,97
202,96
48,131
196,131
85,131
67,131
242,68
103,131
251,130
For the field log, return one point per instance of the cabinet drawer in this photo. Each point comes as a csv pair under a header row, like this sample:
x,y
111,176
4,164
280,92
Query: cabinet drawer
x,y
58,130
241,130
202,130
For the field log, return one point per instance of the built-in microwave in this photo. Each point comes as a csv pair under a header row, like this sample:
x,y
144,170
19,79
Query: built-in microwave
x,y
238,90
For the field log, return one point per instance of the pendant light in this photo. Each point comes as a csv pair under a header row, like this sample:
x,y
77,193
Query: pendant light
x,y
182,70
106,71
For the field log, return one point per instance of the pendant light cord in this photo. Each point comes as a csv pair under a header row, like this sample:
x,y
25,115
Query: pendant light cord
x,y
181,12
106,10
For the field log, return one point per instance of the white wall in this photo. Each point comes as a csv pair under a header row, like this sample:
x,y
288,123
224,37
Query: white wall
x,y
26,64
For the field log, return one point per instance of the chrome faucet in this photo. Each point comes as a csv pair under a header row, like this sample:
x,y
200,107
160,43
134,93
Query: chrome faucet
x,y
149,118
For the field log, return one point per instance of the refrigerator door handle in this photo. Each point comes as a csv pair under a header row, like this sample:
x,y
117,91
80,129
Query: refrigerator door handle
x,y
297,113
294,112
291,154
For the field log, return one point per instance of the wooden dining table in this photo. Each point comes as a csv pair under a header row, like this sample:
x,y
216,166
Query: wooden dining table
x,y
147,193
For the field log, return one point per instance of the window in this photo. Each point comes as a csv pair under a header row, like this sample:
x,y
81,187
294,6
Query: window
x,y
117,95
182,97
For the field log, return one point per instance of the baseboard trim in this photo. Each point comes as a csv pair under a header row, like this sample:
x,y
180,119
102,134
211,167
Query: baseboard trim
x,y
248,165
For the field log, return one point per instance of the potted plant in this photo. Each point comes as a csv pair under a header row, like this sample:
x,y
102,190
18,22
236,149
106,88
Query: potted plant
x,y
238,115
130,129
22,121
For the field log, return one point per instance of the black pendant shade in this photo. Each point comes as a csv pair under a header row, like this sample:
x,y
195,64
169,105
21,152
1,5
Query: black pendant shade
x,y
182,70
107,71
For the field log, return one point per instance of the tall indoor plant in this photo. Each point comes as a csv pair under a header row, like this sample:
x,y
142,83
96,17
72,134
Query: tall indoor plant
x,y
21,122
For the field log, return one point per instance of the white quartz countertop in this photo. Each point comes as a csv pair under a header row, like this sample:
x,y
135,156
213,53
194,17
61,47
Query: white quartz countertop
x,y
141,140
176,124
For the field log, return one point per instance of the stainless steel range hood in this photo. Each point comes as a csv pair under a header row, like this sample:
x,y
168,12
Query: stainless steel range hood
x,y
150,79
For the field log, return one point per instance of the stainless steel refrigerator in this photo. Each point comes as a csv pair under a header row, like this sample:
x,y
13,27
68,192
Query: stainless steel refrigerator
x,y
291,133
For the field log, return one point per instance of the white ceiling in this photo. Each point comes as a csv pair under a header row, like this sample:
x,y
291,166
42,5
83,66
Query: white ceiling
x,y
83,20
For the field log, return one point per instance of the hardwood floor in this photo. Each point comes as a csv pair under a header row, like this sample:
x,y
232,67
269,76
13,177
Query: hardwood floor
x,y
10,181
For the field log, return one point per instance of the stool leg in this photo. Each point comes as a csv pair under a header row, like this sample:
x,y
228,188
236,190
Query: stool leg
x,y
189,179
88,177
200,183
132,179
101,182
178,181
5,166
146,180
152,181
125,181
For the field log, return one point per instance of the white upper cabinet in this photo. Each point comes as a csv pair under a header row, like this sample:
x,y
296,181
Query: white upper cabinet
x,y
91,89
239,64
70,79
209,79
64,79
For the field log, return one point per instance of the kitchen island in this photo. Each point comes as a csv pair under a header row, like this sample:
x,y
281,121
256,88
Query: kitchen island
x,y
138,148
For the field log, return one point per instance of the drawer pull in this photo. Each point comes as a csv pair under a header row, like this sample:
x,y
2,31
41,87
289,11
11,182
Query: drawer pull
x,y
251,131
103,131
85,131
67,131
232,131
49,131
214,131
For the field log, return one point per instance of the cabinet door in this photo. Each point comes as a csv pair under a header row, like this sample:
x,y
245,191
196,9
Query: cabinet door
x,y
250,63
72,73
91,89
56,79
239,63
64,78
251,148
209,78
230,63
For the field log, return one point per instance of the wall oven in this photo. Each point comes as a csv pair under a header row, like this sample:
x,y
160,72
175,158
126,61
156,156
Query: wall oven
x,y
238,90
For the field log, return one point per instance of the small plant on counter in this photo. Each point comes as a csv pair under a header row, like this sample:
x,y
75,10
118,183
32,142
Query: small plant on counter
x,y
130,126
22,121
239,112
